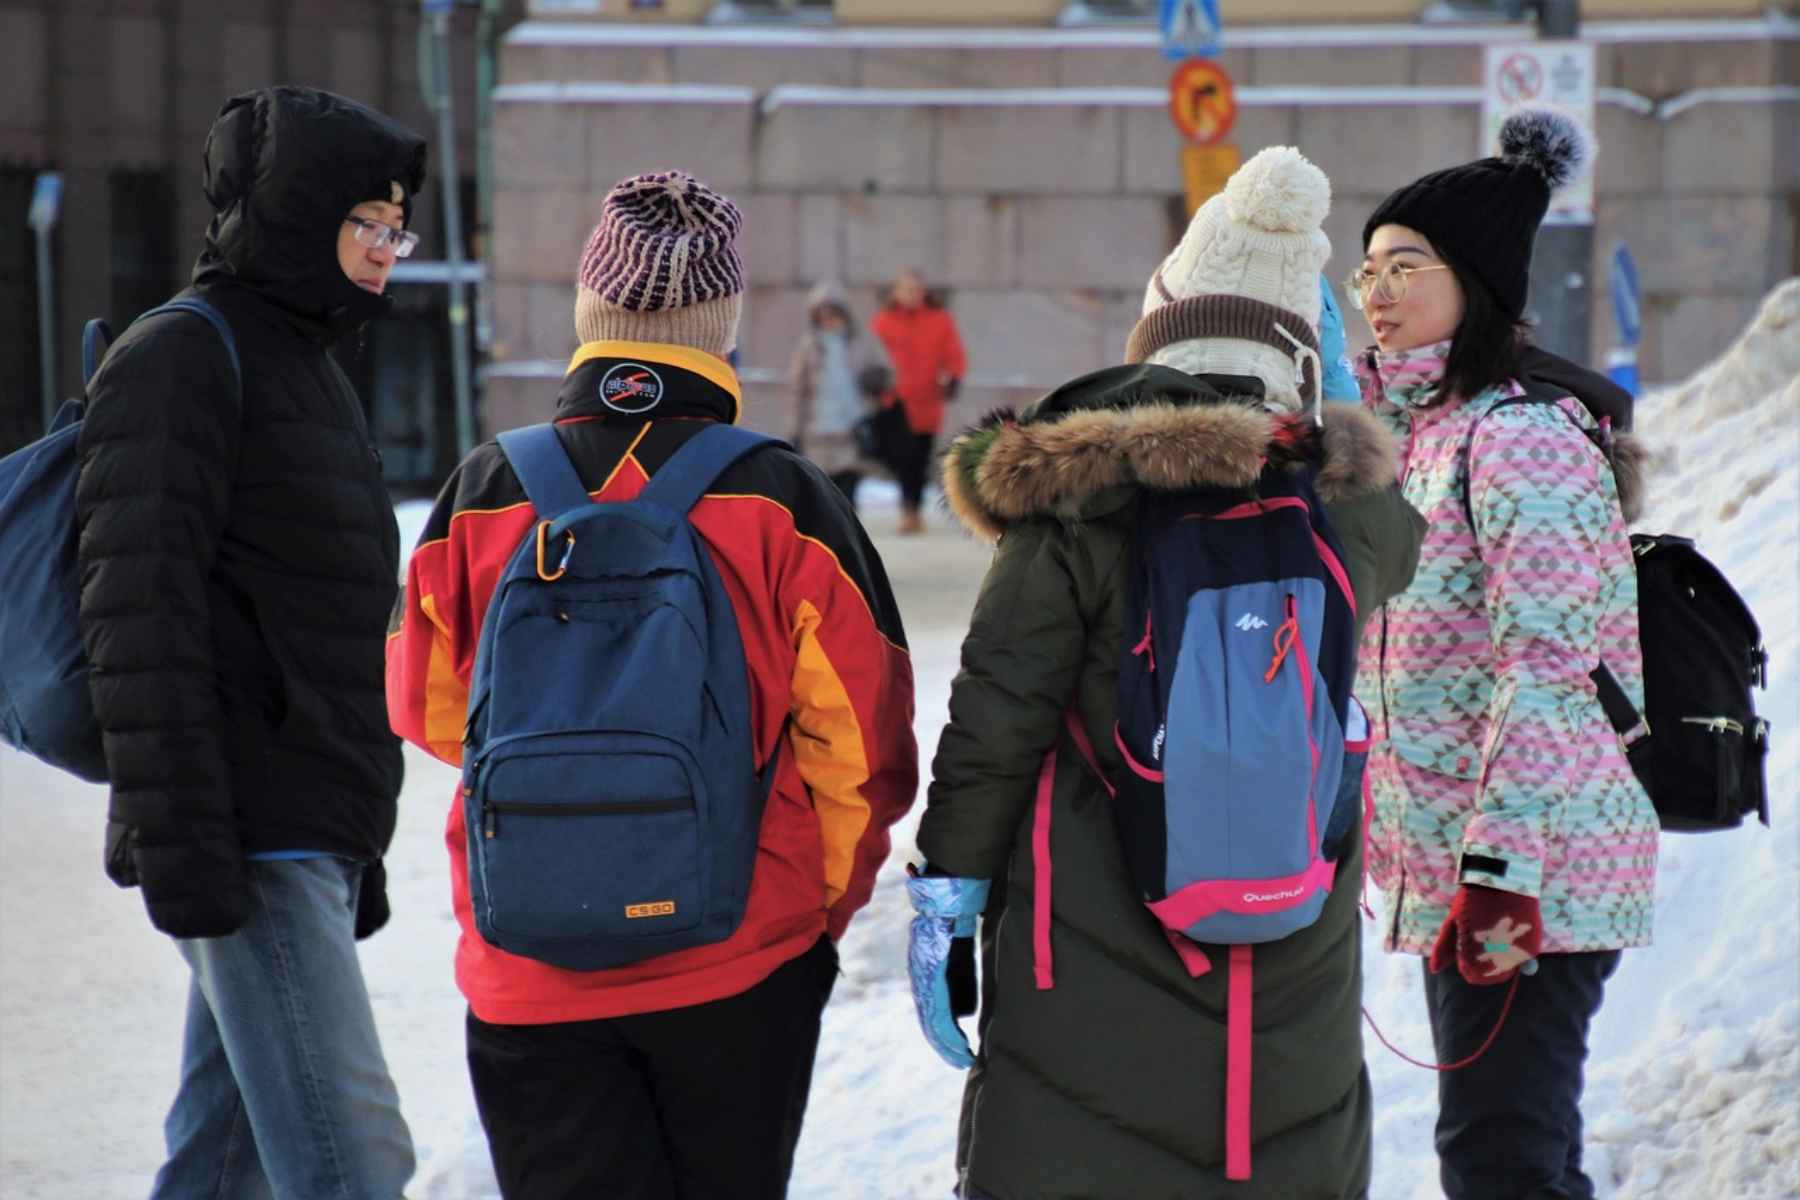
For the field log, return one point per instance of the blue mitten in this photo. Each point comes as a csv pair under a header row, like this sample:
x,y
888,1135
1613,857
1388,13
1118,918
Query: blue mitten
x,y
947,909
1340,380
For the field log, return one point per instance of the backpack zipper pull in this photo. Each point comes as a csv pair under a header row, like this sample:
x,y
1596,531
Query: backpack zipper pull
x,y
1285,633
490,821
1144,647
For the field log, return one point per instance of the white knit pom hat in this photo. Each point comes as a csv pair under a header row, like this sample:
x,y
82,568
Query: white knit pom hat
x,y
1259,243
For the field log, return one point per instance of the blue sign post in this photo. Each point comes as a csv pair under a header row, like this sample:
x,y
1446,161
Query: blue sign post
x,y
1628,316
1190,28
46,205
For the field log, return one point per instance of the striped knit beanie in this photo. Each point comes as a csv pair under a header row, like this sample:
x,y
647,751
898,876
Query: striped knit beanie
x,y
661,266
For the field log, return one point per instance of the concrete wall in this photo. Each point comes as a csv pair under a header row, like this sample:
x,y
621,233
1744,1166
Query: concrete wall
x,y
1044,222
939,12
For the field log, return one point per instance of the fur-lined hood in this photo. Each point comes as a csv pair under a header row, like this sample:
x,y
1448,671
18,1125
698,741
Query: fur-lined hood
x,y
1631,470
1081,450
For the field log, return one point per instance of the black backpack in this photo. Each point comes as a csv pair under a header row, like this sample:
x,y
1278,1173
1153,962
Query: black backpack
x,y
1703,761
1698,748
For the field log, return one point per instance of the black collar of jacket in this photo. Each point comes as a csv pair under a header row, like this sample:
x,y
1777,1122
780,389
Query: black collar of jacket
x,y
643,381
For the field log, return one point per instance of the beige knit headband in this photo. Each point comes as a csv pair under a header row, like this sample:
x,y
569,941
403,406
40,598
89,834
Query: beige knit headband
x,y
1226,316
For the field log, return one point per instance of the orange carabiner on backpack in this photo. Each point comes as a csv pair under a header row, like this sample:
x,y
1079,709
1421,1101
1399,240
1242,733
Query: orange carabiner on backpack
x,y
543,530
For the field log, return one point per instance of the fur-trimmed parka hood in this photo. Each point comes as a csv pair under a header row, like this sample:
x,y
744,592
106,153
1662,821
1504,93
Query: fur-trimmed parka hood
x,y
1081,451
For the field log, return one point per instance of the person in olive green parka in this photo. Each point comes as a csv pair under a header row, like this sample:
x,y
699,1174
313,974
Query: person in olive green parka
x,y
1112,1083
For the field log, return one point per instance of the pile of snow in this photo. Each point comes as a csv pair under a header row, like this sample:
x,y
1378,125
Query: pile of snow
x,y
1695,1084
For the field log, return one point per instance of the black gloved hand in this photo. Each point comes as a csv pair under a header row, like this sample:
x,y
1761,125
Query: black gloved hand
x,y
191,890
372,910
959,974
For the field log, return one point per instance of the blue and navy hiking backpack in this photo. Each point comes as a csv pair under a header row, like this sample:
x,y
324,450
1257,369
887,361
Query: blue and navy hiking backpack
x,y
1233,708
1233,696
45,709
609,779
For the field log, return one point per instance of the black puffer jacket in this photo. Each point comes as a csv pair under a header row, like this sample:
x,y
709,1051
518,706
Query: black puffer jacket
x,y
238,561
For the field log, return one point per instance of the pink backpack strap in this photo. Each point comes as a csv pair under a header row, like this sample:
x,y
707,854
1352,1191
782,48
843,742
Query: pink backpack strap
x,y
1237,1065
1191,955
1043,964
1078,732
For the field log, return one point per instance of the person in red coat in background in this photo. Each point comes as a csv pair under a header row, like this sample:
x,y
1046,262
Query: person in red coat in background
x,y
921,339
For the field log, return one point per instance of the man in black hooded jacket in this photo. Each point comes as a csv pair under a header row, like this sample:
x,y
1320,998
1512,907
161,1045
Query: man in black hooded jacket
x,y
239,557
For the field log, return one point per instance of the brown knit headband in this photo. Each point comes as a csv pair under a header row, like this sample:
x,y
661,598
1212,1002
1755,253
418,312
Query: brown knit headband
x,y
1224,316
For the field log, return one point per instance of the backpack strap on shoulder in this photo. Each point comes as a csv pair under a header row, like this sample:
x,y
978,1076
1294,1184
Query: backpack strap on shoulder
x,y
680,482
96,339
213,317
1533,395
537,457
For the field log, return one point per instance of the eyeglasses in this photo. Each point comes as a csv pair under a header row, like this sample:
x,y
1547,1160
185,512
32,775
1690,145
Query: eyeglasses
x,y
1387,284
376,234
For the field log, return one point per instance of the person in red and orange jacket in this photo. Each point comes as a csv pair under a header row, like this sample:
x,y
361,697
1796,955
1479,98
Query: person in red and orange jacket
x,y
684,1074
927,352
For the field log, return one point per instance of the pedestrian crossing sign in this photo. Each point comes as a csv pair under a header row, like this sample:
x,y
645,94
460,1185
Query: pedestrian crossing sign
x,y
1190,28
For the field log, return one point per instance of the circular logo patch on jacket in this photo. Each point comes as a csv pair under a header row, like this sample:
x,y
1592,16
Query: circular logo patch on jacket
x,y
630,388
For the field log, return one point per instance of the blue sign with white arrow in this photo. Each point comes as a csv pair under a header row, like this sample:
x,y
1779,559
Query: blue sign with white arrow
x,y
1627,299
1190,28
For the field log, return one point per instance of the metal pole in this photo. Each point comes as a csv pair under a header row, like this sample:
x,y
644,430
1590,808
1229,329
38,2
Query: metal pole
x,y
1559,18
46,325
46,203
439,11
1561,262
485,37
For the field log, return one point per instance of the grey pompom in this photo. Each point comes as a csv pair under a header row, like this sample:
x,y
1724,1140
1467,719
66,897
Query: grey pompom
x,y
1548,140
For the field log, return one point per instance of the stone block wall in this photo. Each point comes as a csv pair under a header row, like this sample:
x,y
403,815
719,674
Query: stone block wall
x,y
1042,223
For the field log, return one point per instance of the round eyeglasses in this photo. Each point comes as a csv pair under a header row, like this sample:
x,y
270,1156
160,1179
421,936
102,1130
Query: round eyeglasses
x,y
376,234
1387,285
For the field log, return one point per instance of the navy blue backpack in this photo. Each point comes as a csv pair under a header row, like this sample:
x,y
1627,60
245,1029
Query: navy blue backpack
x,y
45,709
609,779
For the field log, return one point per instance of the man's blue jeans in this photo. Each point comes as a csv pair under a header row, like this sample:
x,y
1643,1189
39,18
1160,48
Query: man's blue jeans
x,y
284,1092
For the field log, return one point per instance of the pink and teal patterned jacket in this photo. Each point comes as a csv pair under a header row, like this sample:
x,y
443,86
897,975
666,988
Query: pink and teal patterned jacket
x,y
1493,743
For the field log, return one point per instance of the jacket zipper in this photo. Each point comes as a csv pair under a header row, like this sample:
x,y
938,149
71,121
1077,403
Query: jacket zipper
x,y
1387,729
1399,905
359,424
1715,724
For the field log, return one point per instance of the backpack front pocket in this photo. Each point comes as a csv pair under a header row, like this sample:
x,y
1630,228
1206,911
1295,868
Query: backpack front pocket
x,y
585,847
1252,762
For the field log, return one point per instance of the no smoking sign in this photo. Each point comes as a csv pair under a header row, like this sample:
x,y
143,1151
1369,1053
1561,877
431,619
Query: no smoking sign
x,y
1520,79
1553,72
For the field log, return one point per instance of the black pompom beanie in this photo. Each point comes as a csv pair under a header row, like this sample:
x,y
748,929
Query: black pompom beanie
x,y
1486,214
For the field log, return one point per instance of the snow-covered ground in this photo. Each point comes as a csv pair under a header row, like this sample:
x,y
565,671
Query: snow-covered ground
x,y
1695,1076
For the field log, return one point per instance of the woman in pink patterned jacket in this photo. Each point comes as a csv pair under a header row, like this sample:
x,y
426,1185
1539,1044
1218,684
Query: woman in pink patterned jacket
x,y
1510,839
